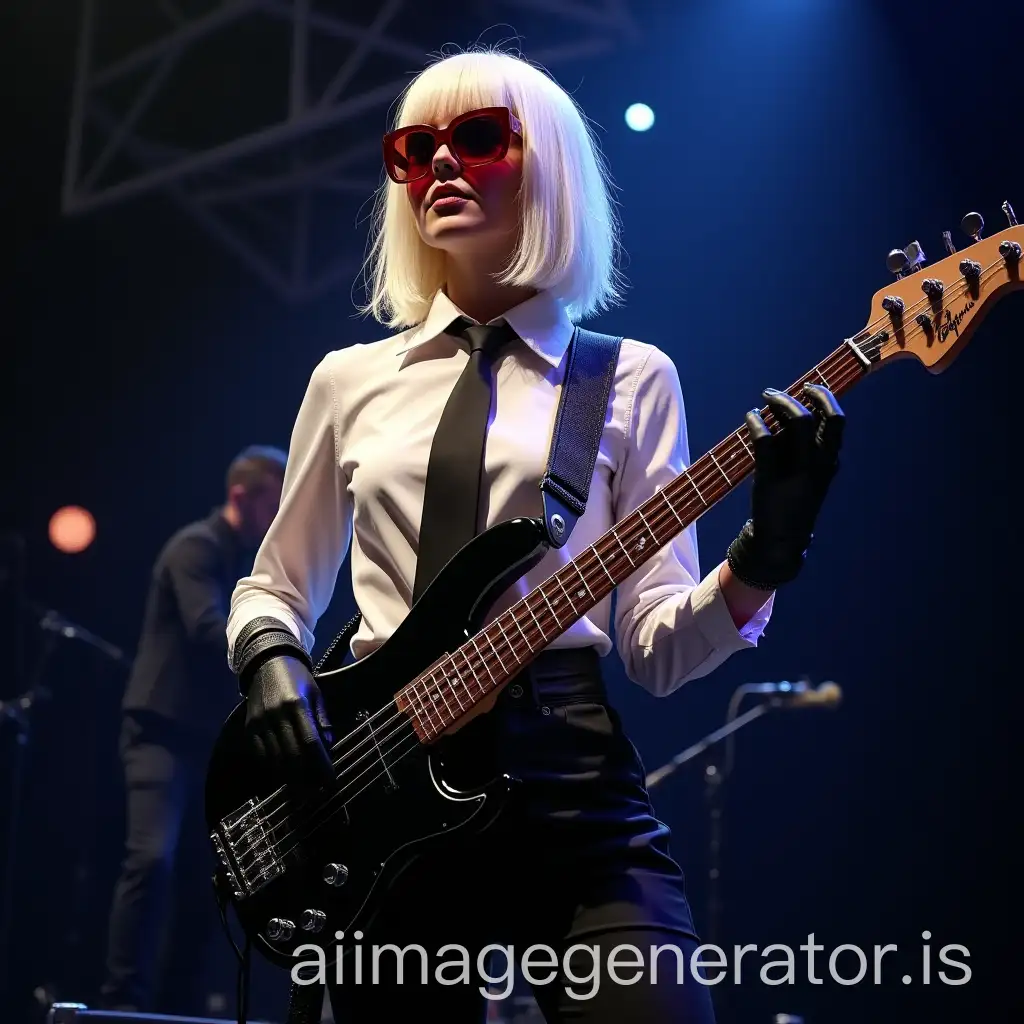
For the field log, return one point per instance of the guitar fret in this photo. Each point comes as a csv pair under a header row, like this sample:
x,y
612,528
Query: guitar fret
x,y
455,693
469,665
443,697
672,509
496,654
526,641
566,592
431,711
540,628
427,707
558,623
603,566
454,688
583,580
693,483
483,660
422,712
719,468
507,641
624,551
823,380
744,443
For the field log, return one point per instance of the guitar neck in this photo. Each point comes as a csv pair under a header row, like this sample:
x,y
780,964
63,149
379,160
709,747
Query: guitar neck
x,y
486,662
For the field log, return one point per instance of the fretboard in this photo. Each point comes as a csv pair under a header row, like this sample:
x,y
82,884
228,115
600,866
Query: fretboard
x,y
438,699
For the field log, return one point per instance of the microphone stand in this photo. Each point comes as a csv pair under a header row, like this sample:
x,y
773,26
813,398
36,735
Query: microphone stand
x,y
713,783
19,710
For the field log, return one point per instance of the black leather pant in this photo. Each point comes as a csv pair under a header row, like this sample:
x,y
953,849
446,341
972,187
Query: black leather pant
x,y
578,860
163,913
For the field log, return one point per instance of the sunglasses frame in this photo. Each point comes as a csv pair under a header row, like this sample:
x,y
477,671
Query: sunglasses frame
x,y
509,123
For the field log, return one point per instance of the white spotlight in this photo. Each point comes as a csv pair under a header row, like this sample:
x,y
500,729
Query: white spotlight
x,y
639,117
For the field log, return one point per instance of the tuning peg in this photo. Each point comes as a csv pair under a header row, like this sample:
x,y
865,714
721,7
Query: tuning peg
x,y
972,225
896,261
1010,215
947,238
905,261
915,257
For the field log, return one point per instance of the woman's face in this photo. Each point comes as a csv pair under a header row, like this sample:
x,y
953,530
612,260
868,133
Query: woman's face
x,y
483,217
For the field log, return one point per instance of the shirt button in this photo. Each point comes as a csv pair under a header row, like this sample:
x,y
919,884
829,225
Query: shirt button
x,y
515,691
545,710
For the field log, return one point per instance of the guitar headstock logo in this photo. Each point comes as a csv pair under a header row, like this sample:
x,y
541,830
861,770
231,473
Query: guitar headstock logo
x,y
951,323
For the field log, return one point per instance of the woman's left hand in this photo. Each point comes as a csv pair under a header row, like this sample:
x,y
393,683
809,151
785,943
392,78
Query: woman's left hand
x,y
793,469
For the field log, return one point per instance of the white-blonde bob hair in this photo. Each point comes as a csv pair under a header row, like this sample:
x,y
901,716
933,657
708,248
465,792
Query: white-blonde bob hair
x,y
569,232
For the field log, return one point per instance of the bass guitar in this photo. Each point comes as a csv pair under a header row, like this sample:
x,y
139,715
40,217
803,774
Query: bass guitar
x,y
298,870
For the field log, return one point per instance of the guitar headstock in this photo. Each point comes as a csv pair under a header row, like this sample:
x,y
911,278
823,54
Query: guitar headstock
x,y
930,312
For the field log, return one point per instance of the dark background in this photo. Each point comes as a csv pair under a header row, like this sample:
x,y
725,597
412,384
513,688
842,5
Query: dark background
x,y
795,144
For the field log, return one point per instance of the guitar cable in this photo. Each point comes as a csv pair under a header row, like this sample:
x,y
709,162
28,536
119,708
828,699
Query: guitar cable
x,y
244,955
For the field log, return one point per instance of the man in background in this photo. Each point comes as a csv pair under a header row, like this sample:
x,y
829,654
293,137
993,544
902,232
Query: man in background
x,y
178,695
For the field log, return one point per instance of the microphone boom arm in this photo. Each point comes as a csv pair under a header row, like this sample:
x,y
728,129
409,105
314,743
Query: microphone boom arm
x,y
780,695
659,774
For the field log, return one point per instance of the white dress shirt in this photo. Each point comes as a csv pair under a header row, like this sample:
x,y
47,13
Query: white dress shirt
x,y
356,474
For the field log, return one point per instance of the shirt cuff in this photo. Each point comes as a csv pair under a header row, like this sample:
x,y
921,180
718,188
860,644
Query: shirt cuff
x,y
712,617
244,611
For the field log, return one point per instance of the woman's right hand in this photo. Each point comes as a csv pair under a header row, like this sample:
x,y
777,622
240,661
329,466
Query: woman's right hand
x,y
287,722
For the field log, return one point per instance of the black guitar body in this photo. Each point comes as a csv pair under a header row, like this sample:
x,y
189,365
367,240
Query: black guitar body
x,y
288,893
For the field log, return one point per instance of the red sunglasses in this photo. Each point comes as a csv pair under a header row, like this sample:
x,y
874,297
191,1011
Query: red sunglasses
x,y
476,138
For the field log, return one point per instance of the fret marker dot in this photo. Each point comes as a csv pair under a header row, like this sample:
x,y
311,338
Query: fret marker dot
x,y
580,593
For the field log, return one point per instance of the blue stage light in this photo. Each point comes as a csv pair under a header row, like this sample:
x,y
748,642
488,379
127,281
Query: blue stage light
x,y
639,117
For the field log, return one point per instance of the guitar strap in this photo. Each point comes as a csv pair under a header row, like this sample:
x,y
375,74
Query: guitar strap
x,y
576,439
582,407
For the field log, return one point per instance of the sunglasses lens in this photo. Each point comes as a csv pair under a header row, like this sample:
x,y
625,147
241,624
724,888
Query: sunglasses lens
x,y
478,140
481,139
413,154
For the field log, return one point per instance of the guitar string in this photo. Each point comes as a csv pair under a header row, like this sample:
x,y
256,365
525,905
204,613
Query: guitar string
x,y
427,700
711,471
390,754
394,753
376,737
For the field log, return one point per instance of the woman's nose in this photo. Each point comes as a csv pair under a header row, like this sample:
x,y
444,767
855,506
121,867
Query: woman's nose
x,y
444,164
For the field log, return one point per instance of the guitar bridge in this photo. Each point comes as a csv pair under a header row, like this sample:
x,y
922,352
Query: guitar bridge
x,y
245,851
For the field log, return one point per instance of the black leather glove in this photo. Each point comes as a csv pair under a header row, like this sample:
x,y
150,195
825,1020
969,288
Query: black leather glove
x,y
287,720
793,469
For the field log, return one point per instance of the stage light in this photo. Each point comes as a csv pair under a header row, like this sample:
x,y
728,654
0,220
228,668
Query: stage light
x,y
639,117
72,529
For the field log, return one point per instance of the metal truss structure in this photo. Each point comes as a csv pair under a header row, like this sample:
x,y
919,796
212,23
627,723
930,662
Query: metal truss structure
x,y
262,118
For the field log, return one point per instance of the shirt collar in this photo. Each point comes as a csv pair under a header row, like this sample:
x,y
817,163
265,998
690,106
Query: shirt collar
x,y
541,321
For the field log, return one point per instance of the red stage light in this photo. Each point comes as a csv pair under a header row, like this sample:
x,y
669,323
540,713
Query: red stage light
x,y
72,529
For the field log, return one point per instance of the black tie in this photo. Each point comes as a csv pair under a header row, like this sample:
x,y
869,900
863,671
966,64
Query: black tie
x,y
451,501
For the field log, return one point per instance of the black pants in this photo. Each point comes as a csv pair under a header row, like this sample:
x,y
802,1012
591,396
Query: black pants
x,y
163,914
578,865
